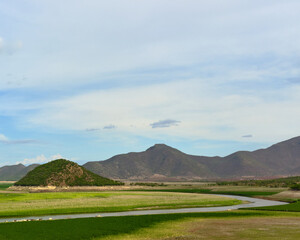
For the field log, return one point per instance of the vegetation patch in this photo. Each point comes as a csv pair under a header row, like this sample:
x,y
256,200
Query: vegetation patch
x,y
215,191
278,182
4,186
148,184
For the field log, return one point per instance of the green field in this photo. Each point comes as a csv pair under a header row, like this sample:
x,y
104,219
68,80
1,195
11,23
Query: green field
x,y
220,225
4,186
30,204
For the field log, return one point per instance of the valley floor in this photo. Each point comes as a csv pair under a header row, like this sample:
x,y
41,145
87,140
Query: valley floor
x,y
282,222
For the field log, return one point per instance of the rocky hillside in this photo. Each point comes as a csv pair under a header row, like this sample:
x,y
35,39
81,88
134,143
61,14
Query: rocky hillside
x,y
63,173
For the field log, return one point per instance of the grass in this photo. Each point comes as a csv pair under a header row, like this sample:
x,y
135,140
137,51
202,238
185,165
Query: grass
x,y
292,207
34,204
218,225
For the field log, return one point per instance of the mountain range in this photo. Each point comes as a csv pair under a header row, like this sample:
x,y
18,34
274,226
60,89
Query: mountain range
x,y
164,162
161,162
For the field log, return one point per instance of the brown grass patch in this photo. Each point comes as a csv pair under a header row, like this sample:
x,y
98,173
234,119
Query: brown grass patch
x,y
251,228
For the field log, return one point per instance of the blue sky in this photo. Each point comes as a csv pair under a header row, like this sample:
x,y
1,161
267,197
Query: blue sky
x,y
86,80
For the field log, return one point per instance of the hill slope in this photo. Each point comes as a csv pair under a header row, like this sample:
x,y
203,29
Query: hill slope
x,y
15,172
63,173
162,161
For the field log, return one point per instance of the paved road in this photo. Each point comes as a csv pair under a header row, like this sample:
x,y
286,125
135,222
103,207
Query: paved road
x,y
253,202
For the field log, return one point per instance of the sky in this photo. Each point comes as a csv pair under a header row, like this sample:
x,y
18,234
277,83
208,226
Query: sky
x,y
86,80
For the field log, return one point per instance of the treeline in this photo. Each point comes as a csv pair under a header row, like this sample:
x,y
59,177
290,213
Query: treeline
x,y
148,184
290,182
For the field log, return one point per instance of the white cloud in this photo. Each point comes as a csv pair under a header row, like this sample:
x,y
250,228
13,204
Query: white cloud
x,y
3,138
40,159
88,42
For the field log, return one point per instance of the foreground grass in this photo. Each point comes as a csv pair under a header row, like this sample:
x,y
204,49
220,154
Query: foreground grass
x,y
33,204
218,225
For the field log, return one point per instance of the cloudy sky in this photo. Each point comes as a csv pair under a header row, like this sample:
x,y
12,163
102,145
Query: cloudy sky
x,y
86,80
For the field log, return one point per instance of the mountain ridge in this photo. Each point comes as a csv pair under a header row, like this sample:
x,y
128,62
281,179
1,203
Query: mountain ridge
x,y
161,161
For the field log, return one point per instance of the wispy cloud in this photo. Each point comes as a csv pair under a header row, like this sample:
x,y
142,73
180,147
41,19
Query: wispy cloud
x,y
40,159
4,139
247,136
92,129
109,126
165,123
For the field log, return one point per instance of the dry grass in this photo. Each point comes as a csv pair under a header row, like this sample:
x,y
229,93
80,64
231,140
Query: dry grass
x,y
283,228
286,195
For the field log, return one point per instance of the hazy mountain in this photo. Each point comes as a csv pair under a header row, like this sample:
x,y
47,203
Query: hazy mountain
x,y
63,173
162,161
15,172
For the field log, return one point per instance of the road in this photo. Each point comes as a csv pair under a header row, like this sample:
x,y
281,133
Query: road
x,y
253,202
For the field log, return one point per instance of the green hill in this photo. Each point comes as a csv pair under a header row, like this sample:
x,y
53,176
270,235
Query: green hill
x,y
63,173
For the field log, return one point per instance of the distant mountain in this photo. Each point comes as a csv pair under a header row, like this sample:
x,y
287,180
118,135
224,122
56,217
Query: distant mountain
x,y
63,173
15,172
164,162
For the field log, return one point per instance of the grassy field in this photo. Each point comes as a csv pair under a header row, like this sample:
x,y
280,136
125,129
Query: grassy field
x,y
221,225
30,204
230,190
